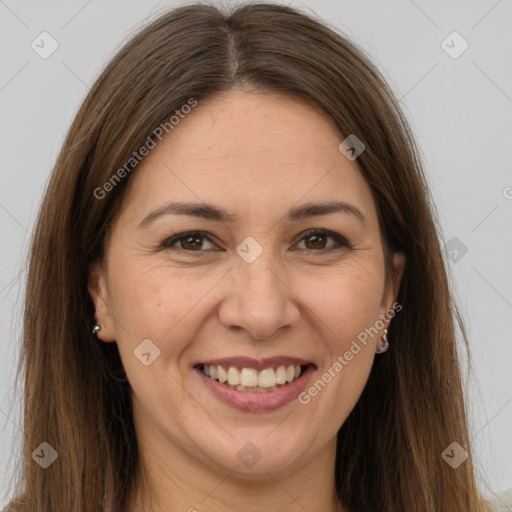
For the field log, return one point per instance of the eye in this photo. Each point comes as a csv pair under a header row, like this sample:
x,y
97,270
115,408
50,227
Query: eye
x,y
316,239
190,241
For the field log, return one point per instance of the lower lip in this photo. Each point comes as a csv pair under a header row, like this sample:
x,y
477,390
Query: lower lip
x,y
257,401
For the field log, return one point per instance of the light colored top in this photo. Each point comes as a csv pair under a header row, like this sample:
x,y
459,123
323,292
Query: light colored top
x,y
501,501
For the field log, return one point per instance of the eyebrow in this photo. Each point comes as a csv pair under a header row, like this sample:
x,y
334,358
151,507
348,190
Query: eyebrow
x,y
214,213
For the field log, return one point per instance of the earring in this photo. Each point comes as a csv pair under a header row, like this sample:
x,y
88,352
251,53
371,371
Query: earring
x,y
96,329
384,347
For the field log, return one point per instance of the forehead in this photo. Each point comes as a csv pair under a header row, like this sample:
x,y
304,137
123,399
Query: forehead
x,y
251,153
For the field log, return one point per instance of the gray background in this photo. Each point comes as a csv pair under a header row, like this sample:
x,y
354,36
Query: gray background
x,y
459,108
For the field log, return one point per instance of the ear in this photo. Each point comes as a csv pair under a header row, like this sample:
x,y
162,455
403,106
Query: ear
x,y
97,286
393,282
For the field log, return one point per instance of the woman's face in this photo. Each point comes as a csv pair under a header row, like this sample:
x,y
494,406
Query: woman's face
x,y
253,294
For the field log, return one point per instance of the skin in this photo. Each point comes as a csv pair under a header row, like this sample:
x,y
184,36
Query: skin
x,y
257,155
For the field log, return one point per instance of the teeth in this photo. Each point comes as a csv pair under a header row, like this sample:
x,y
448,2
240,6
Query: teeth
x,y
255,389
281,375
248,377
267,378
252,381
223,376
233,376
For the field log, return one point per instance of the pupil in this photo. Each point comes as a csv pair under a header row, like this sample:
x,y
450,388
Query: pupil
x,y
187,241
316,237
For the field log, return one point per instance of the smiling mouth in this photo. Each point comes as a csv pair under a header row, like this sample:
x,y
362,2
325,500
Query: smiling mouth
x,y
252,380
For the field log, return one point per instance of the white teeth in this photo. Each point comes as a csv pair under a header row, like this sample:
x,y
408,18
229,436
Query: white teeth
x,y
233,376
255,389
222,374
281,375
267,378
250,380
249,377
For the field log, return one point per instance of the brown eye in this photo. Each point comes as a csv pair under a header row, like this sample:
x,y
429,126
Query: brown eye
x,y
190,242
316,241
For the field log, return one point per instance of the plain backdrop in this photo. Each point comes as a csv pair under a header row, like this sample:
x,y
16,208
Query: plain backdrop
x,y
460,109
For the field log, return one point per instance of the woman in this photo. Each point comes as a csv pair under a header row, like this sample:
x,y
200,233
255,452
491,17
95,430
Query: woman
x,y
237,298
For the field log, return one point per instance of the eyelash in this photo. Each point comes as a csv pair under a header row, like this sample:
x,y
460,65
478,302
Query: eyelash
x,y
168,243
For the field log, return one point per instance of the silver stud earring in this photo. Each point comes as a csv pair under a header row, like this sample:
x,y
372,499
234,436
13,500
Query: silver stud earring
x,y
96,329
384,347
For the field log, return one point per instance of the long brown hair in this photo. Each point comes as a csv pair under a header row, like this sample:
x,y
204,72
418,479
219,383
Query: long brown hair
x,y
77,396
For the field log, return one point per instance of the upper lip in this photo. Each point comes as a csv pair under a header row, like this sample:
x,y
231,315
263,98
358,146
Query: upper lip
x,y
257,364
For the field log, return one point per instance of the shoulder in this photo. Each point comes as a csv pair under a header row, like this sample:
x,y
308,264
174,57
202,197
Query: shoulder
x,y
501,501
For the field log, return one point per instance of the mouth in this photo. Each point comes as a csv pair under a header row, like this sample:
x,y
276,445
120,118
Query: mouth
x,y
255,385
251,380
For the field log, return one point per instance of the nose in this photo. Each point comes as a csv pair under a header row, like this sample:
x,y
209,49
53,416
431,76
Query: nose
x,y
260,300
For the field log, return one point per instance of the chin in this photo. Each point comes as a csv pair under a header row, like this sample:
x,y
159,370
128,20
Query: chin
x,y
256,452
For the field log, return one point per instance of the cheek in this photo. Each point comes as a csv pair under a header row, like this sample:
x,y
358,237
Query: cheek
x,y
345,313
155,304
158,303
346,302
162,303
